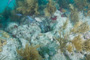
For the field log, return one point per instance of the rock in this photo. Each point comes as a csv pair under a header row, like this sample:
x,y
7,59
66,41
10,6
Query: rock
x,y
87,35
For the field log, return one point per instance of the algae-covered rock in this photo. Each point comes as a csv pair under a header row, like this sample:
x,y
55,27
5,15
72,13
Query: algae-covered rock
x,y
8,46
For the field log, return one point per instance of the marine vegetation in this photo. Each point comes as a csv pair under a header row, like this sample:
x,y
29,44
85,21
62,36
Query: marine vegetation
x,y
87,45
74,14
77,42
3,39
4,17
27,7
50,8
15,17
63,39
87,57
88,13
29,53
63,3
70,47
81,27
2,43
8,15
4,34
80,4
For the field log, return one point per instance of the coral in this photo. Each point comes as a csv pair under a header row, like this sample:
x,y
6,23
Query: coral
x,y
78,43
50,8
29,7
86,45
29,53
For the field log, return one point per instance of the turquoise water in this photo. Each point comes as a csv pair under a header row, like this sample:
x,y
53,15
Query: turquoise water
x,y
4,3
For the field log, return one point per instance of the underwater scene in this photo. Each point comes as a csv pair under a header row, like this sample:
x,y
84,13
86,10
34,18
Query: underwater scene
x,y
44,29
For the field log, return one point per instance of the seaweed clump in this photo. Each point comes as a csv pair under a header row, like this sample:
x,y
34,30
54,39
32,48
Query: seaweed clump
x,y
81,27
78,43
81,4
74,14
63,38
87,45
27,7
29,53
50,8
70,47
